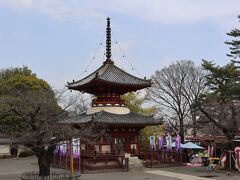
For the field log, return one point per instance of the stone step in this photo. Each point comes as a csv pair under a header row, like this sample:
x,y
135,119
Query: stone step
x,y
135,162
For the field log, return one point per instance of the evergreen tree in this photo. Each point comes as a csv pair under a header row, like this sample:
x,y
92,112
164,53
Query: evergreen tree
x,y
221,105
28,113
234,44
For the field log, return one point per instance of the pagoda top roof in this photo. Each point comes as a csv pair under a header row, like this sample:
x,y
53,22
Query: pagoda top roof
x,y
106,118
109,73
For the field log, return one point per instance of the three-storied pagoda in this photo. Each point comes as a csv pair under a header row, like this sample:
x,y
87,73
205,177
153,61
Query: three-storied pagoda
x,y
108,83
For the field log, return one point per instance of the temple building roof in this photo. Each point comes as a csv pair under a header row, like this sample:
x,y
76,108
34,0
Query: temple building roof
x,y
109,74
106,118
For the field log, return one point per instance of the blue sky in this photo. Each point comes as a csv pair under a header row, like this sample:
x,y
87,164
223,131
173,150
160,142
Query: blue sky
x,y
58,38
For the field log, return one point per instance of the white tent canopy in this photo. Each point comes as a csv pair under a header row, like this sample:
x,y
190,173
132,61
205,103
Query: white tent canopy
x,y
191,145
188,145
174,145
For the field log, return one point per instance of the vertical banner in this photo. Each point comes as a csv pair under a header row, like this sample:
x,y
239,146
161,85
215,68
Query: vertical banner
x,y
63,148
178,143
210,150
237,157
169,142
152,142
76,148
57,150
160,142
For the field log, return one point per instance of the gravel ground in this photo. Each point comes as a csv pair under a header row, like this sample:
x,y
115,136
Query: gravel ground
x,y
11,169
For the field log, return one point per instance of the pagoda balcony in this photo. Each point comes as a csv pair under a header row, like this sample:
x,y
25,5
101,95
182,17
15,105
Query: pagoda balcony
x,y
113,101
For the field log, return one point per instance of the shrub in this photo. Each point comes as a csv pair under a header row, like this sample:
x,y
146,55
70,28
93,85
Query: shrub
x,y
26,153
5,156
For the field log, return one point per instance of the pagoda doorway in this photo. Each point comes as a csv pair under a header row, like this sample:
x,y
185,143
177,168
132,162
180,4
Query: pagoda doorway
x,y
119,143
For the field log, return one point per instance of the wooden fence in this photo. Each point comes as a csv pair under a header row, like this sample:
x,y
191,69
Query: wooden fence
x,y
161,157
91,162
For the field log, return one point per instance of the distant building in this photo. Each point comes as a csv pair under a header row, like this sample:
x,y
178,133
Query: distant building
x,y
10,148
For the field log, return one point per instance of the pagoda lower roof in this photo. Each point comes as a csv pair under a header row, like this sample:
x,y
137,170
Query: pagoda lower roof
x,y
107,118
110,74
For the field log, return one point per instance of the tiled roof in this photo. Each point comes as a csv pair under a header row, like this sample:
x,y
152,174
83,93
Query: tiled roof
x,y
113,119
80,119
110,73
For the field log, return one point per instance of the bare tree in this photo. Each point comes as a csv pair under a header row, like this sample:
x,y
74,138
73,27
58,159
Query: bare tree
x,y
174,90
223,116
194,87
31,119
74,103
206,127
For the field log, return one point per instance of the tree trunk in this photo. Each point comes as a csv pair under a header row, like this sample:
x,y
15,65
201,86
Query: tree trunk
x,y
230,165
181,131
44,158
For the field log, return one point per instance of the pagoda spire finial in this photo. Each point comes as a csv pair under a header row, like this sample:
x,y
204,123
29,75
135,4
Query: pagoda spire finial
x,y
108,41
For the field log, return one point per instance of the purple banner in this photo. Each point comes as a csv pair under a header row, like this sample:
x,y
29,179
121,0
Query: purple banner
x,y
169,142
160,142
178,143
152,142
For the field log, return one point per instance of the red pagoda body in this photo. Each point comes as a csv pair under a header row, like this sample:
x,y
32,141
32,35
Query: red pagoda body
x,y
108,83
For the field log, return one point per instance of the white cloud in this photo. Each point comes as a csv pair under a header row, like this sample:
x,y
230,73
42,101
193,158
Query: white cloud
x,y
222,12
179,11
71,10
17,4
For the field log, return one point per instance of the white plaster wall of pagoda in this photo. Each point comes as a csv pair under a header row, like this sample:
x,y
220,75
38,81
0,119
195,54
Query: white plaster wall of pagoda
x,y
110,109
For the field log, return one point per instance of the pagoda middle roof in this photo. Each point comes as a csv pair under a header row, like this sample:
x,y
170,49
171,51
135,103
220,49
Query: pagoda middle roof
x,y
109,73
106,118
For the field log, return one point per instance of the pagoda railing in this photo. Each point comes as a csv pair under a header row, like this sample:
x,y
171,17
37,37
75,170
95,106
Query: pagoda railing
x,y
105,102
90,161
